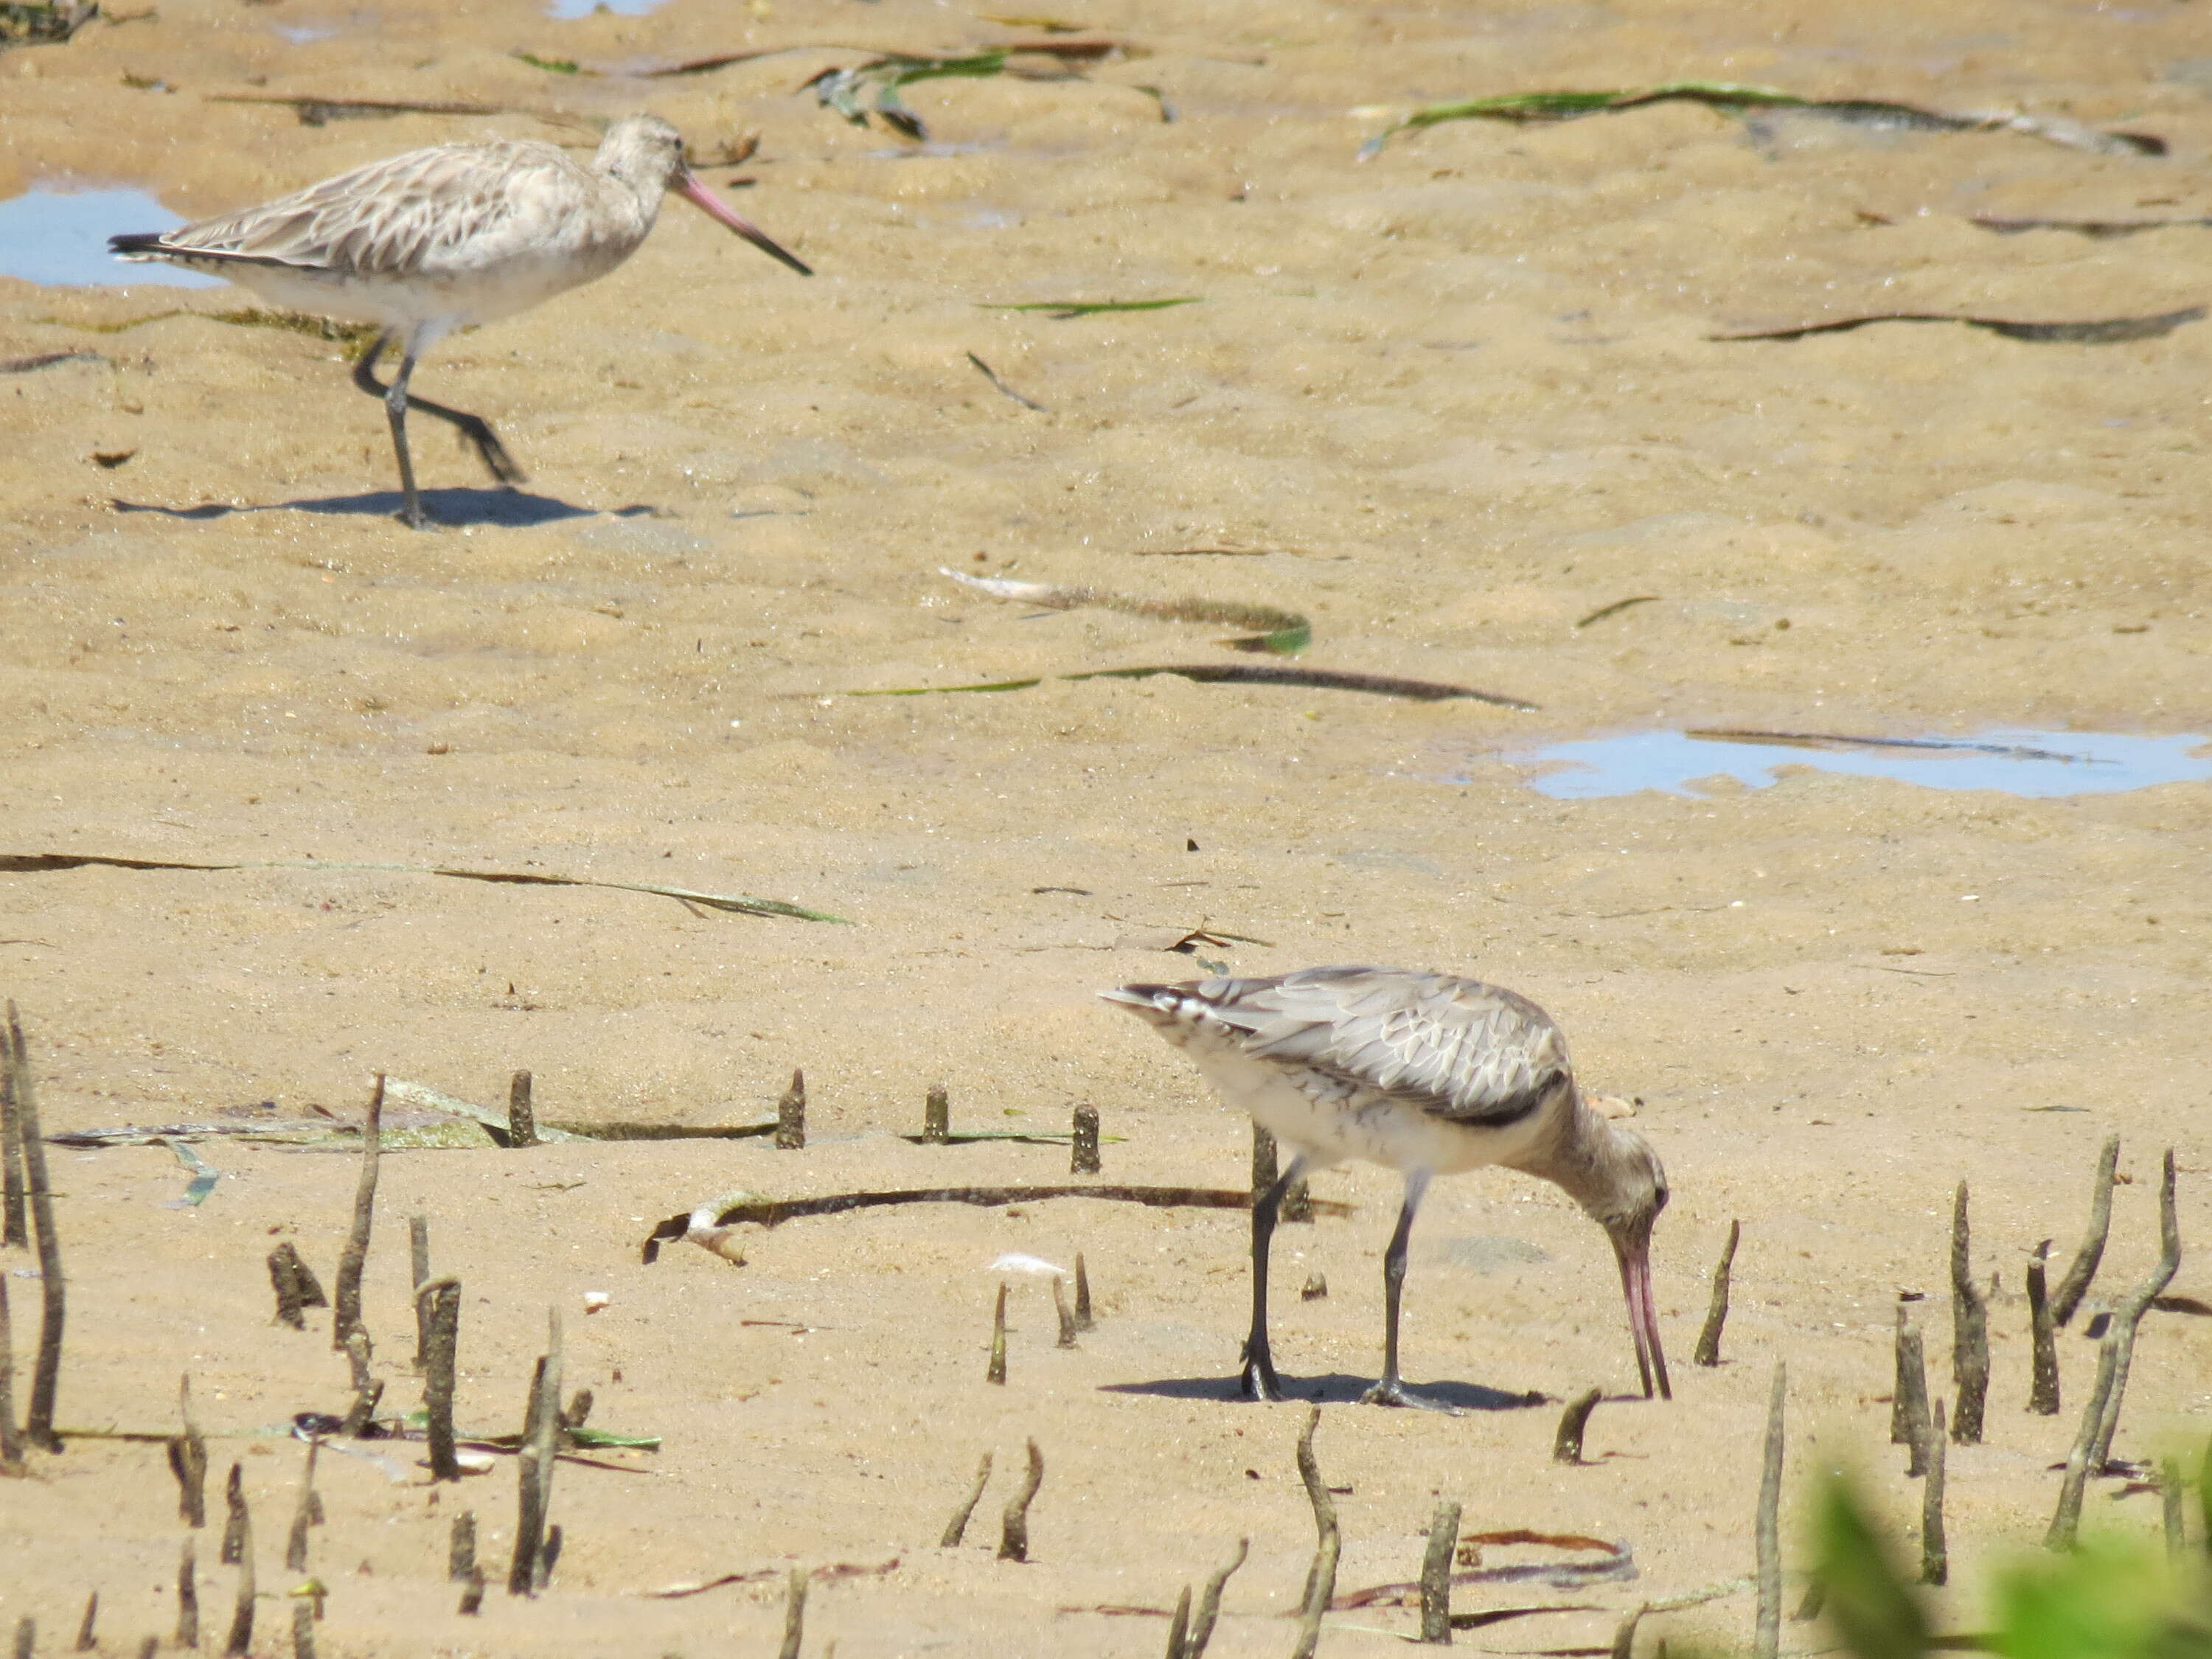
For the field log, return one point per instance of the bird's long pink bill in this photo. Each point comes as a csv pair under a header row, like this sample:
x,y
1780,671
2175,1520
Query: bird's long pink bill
x,y
1635,1256
694,190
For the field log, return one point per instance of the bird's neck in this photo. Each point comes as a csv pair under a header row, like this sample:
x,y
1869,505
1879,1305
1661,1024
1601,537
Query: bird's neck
x,y
1572,1150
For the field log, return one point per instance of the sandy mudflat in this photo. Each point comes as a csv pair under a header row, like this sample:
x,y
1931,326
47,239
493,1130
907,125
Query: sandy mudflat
x,y
1457,398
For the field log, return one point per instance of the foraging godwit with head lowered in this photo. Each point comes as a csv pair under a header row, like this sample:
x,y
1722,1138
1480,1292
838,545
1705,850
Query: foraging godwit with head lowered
x,y
1430,1075
445,237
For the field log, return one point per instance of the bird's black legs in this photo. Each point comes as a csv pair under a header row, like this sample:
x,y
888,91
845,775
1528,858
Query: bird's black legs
x,y
1392,1390
1259,1380
397,400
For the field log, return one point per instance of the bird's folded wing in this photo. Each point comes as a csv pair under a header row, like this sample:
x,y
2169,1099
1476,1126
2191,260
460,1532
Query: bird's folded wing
x,y
1455,1048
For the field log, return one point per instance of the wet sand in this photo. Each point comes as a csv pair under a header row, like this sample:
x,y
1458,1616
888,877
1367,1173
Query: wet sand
x,y
1451,400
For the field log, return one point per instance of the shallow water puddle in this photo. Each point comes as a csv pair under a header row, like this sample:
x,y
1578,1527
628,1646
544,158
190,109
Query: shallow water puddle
x,y
59,236
2036,764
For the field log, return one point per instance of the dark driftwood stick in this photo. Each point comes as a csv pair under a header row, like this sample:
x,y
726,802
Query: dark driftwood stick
x,y
794,1615
367,1390
1935,1555
2100,1417
1209,1603
295,1543
1708,1350
1908,1417
1014,1524
26,1637
1567,1445
1436,1575
418,1262
1179,1625
996,1370
472,1597
303,1631
1970,1334
937,1115
461,1549
188,1598
86,1641
2043,1335
540,1452
354,1256
790,1114
46,1372
1321,1578
1084,1158
1067,1319
1766,1637
956,1527
236,1522
438,1307
241,1616
15,1218
287,1286
11,1439
1084,1322
521,1111
2075,1284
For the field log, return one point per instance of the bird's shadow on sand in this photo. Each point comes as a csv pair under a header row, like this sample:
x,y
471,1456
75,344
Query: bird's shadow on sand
x,y
512,508
1334,1389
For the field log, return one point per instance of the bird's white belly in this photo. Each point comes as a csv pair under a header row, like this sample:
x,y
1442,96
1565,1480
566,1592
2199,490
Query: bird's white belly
x,y
1332,1121
456,297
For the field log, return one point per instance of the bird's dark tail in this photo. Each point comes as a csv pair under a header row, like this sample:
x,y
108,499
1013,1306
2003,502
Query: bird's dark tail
x,y
137,241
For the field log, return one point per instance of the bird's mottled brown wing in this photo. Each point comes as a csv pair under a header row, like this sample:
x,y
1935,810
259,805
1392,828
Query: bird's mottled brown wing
x,y
389,218
1457,1048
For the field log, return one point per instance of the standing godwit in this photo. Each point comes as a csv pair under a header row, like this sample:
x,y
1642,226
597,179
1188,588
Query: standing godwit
x,y
1430,1075
445,237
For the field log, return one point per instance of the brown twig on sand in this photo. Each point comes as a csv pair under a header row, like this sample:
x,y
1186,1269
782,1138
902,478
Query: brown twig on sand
x,y
241,1615
521,1110
188,1461
2100,1418
1083,1159
438,1308
1935,1553
87,1642
541,1446
1567,1445
937,1115
1084,1322
1321,1578
1908,1411
1969,1332
367,1389
790,1114
295,1543
461,1549
1767,1630
957,1529
1209,1603
1436,1575
188,1598
2075,1284
346,1287
236,1522
418,1273
2043,1335
1067,1319
794,1615
1708,1351
1014,1524
996,1370
46,1371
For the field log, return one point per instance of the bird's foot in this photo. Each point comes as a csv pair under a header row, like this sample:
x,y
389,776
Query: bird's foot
x,y
1259,1381
1392,1392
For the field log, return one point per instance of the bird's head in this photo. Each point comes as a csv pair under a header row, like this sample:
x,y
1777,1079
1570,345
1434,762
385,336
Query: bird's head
x,y
1622,1186
646,153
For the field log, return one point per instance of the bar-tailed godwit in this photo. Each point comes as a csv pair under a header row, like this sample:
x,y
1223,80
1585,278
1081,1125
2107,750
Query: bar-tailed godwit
x,y
1430,1075
445,237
